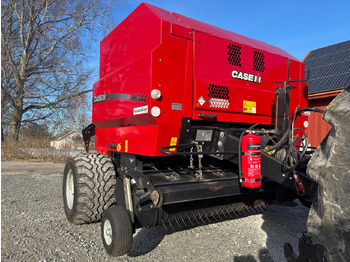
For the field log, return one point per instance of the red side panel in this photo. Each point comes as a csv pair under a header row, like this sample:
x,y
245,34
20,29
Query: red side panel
x,y
234,37
172,76
136,36
143,53
235,99
199,70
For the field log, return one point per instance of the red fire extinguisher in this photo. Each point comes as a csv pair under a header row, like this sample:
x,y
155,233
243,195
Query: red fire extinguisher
x,y
251,161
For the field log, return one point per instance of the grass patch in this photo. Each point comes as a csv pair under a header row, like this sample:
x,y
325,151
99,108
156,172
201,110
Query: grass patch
x,y
35,150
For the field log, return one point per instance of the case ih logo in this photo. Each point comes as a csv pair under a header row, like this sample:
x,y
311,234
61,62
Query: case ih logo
x,y
99,98
246,76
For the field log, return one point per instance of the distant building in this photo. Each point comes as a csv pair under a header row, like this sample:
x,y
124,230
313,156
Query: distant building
x,y
67,139
329,75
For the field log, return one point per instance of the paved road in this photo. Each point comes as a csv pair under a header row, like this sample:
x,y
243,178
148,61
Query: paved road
x,y
34,228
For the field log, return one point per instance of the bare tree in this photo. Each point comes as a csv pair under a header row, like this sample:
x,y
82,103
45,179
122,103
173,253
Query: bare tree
x,y
5,111
76,116
43,57
35,131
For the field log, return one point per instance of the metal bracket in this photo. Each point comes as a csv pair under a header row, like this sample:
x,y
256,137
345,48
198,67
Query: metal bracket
x,y
143,182
128,198
88,132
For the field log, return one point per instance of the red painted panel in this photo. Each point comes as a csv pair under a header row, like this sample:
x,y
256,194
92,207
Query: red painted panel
x,y
156,49
212,67
135,140
318,128
234,37
165,65
130,40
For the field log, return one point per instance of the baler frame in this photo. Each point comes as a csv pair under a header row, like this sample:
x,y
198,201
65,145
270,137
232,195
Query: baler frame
x,y
169,125
182,195
129,165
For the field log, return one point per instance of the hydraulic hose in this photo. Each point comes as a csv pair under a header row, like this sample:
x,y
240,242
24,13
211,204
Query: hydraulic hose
x,y
290,127
290,161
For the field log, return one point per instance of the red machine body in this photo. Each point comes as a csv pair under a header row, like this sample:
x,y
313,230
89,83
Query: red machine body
x,y
251,161
173,103
200,70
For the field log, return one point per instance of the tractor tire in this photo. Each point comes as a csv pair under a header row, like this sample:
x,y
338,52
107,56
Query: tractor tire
x,y
116,231
88,187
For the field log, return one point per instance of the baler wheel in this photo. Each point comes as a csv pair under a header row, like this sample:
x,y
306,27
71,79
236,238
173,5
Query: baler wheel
x,y
116,231
88,187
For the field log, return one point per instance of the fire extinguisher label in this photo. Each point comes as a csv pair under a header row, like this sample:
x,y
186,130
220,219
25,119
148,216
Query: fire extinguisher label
x,y
253,146
254,166
251,153
251,161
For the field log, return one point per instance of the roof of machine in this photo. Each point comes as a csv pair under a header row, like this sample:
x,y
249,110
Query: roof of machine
x,y
187,22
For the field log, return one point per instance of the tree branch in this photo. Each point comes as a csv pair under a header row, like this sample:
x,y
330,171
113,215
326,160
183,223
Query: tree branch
x,y
52,104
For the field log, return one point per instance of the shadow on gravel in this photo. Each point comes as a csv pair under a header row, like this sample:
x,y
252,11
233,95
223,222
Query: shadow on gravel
x,y
263,257
280,223
283,224
146,240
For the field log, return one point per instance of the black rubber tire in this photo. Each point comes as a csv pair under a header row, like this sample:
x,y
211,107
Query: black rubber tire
x,y
94,179
122,233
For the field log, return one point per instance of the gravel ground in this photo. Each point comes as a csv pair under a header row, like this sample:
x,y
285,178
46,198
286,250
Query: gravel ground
x,y
34,228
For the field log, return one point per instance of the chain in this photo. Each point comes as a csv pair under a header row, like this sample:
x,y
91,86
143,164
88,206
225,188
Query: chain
x,y
191,159
199,175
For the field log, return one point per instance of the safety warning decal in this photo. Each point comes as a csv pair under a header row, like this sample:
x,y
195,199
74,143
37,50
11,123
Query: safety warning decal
x,y
249,107
173,142
126,146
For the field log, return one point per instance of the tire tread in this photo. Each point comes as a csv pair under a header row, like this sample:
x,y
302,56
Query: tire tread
x,y
122,231
96,178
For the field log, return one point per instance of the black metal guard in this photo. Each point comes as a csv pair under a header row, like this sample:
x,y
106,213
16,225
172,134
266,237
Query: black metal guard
x,y
190,153
88,132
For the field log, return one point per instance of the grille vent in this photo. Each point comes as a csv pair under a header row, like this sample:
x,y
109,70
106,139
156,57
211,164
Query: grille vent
x,y
216,91
259,61
234,55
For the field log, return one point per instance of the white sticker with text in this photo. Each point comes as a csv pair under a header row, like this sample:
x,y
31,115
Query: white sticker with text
x,y
140,110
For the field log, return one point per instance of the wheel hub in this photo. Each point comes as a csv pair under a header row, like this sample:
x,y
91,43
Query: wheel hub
x,y
107,232
70,189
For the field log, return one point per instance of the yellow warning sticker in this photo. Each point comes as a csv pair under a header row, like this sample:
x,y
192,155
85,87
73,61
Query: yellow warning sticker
x,y
126,146
249,107
173,142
